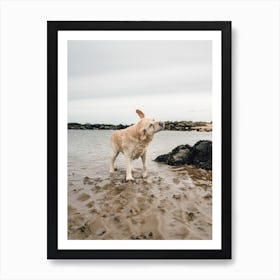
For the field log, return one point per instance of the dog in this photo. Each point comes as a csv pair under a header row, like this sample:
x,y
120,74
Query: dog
x,y
133,142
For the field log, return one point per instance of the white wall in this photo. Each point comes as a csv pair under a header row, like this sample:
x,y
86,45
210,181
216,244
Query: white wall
x,y
255,139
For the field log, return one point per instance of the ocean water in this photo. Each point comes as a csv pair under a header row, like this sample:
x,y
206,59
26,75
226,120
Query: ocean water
x,y
89,151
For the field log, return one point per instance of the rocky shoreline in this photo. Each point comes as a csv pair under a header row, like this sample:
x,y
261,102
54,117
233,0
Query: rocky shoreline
x,y
169,125
199,155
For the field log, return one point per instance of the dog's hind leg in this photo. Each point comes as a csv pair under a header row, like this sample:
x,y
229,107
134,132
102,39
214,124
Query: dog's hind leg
x,y
112,161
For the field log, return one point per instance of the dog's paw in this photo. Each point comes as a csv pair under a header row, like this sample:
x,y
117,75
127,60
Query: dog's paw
x,y
112,170
130,178
145,174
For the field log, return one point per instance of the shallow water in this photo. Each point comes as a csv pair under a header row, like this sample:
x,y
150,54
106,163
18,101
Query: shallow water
x,y
89,150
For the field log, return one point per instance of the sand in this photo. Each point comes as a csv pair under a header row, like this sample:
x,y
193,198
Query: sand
x,y
173,203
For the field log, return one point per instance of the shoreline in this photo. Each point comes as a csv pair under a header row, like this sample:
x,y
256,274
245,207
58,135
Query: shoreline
x,y
169,126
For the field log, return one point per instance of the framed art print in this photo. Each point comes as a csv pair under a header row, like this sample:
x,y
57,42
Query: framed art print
x,y
139,140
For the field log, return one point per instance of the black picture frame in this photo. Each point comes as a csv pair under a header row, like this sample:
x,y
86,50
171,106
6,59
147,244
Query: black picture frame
x,y
52,131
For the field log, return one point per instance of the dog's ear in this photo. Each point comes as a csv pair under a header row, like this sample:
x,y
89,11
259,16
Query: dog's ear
x,y
140,114
143,134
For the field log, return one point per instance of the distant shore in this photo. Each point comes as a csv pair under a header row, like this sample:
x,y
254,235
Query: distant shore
x,y
169,125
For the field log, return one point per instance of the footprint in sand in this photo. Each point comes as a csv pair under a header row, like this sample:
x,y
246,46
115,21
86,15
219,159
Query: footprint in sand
x,y
190,216
208,196
161,208
176,196
71,209
176,181
90,204
77,190
87,181
83,197
134,211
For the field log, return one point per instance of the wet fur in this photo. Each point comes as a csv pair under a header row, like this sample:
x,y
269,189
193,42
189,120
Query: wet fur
x,y
133,142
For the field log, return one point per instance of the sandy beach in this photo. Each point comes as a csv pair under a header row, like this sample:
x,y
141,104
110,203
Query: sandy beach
x,y
173,203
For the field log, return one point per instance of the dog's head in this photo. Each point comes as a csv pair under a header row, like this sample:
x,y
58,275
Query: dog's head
x,y
147,127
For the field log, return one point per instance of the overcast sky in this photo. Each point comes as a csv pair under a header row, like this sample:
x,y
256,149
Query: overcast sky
x,y
168,80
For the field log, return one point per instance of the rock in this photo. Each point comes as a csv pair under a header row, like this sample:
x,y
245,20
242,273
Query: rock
x,y
177,156
88,126
121,126
199,155
75,126
169,125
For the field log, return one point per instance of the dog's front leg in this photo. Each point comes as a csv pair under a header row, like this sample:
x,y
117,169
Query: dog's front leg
x,y
128,168
144,161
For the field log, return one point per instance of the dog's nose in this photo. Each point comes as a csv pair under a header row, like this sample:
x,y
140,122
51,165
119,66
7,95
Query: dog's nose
x,y
161,124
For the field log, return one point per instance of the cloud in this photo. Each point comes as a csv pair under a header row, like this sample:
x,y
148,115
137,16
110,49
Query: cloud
x,y
99,57
187,78
117,110
108,80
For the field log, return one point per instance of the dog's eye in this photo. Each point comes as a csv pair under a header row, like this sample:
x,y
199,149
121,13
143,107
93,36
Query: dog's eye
x,y
151,125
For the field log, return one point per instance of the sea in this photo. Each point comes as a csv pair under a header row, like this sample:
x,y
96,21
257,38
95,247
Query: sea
x,y
89,151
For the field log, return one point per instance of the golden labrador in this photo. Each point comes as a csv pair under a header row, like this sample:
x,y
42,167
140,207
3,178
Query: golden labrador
x,y
133,142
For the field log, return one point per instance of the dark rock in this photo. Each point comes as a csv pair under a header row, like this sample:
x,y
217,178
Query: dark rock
x,y
177,156
169,125
75,126
96,126
121,126
199,155
88,126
